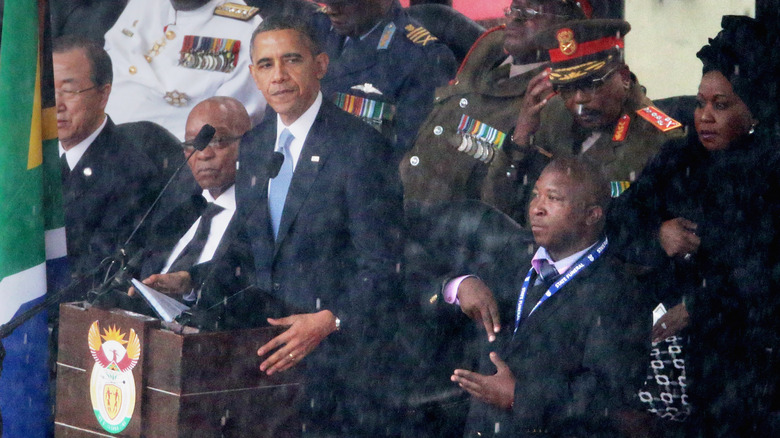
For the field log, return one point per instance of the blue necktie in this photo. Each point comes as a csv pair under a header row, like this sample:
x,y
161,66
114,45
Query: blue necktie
x,y
281,184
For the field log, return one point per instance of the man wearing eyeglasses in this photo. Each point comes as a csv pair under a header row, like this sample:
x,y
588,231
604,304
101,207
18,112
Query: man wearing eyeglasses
x,y
200,226
462,149
589,103
107,180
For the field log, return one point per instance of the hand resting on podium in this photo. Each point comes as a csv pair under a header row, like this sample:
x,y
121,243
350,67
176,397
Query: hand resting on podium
x,y
305,332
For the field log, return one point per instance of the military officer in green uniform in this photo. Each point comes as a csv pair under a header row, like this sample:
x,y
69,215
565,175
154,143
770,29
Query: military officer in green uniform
x,y
598,109
462,150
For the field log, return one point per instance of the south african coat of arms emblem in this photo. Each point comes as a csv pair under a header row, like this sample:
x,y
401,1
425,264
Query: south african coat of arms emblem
x,y
111,386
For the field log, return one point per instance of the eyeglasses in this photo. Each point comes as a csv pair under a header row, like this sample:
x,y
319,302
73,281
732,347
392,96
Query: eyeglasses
x,y
525,14
567,91
216,143
71,94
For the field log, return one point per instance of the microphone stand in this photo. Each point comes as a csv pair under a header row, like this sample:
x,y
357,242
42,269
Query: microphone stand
x,y
99,297
200,142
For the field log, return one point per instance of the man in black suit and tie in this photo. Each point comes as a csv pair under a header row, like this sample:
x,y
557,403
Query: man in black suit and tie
x,y
572,356
107,181
199,226
324,233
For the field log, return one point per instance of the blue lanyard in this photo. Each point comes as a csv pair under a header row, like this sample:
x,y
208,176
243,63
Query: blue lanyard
x,y
581,264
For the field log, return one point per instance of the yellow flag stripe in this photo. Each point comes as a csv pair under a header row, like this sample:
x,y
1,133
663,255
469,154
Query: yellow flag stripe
x,y
35,154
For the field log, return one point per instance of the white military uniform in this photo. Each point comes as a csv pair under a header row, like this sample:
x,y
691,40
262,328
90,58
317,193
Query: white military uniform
x,y
146,45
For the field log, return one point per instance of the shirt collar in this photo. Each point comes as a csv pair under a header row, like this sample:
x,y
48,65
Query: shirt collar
x,y
517,70
226,199
74,154
300,128
562,265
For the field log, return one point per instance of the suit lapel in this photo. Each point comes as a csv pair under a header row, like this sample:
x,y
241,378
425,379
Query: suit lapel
x,y
549,308
603,151
313,156
78,179
255,154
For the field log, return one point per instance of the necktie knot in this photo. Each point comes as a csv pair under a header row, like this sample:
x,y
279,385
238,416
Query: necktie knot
x,y
208,214
285,139
547,271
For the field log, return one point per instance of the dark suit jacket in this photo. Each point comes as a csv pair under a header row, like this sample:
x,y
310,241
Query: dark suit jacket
x,y
339,240
90,18
406,72
215,280
578,359
111,186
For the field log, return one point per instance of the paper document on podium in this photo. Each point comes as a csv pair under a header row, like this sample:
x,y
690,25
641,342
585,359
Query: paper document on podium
x,y
166,307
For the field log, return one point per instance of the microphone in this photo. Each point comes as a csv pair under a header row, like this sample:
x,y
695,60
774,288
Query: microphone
x,y
203,138
275,164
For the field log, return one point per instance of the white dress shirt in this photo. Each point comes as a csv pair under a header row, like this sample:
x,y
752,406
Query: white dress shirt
x,y
299,129
219,224
74,154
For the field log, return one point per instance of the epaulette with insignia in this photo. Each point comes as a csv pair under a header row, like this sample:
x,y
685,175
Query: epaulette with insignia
x,y
658,119
387,36
212,54
419,35
621,129
478,139
618,187
373,112
235,10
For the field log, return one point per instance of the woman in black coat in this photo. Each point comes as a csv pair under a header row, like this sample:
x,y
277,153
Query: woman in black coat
x,y
705,219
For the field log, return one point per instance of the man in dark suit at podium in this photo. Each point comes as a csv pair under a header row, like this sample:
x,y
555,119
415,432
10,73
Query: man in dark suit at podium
x,y
321,213
197,226
325,232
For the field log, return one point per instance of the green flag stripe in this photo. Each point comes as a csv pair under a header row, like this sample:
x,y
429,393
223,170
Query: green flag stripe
x,y
21,215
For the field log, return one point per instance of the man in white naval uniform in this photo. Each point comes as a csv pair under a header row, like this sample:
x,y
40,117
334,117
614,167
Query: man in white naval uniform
x,y
170,55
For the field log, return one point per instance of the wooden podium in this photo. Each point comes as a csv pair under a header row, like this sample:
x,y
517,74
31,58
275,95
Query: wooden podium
x,y
180,385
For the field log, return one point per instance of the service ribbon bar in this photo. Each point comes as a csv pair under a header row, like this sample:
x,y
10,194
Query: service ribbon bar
x,y
364,108
481,130
618,187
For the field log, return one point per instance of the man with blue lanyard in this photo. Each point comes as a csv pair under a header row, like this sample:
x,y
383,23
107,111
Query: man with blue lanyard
x,y
565,352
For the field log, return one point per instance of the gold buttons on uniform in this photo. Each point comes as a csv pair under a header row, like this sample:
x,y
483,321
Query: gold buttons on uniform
x,y
133,70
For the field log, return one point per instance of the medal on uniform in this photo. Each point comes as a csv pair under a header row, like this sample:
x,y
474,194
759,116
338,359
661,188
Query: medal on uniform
x,y
210,54
479,139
